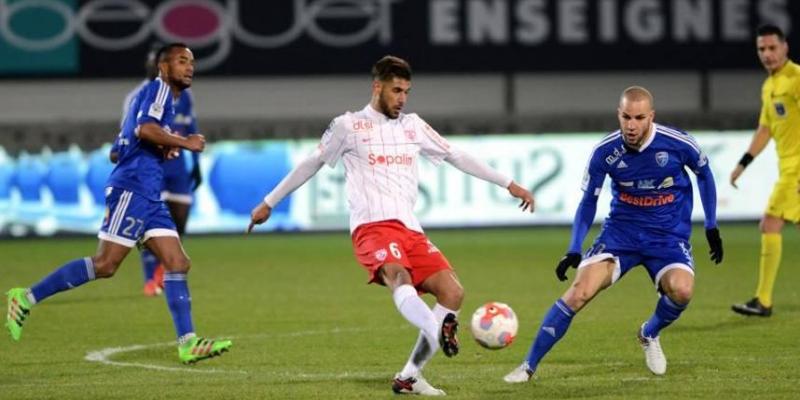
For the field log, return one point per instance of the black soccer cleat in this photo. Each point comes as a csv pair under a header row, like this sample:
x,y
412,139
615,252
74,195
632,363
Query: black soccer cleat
x,y
752,307
448,339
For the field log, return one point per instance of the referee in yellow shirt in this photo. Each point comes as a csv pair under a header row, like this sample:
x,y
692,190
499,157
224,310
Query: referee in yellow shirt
x,y
779,120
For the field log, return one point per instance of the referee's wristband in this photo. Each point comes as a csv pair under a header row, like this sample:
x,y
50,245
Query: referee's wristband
x,y
746,160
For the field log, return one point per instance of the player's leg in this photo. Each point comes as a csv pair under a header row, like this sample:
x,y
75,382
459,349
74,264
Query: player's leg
x,y
594,274
449,293
66,277
191,348
117,235
671,269
408,303
410,380
784,204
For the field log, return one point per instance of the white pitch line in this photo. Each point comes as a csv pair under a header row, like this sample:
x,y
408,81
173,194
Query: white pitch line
x,y
103,356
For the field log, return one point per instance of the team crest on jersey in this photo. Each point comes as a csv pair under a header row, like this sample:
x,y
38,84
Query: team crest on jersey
x,y
381,254
662,157
411,134
780,109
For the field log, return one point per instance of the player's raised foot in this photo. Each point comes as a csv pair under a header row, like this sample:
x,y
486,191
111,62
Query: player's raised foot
x,y
19,308
752,307
448,339
415,385
521,374
198,348
653,355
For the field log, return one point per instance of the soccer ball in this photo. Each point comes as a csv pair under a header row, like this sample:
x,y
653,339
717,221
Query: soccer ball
x,y
494,325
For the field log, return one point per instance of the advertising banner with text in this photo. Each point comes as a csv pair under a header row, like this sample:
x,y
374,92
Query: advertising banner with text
x,y
46,193
101,38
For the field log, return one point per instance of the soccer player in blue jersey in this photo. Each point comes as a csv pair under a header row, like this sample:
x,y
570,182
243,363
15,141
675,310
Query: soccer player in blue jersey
x,y
180,182
135,212
649,224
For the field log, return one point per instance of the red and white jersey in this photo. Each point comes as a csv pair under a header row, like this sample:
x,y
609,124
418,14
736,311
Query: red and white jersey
x,y
380,161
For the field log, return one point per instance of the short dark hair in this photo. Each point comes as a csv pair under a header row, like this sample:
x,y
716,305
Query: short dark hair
x,y
769,29
390,67
165,51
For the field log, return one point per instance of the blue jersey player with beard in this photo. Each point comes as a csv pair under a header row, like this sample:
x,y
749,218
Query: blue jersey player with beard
x,y
649,224
179,182
135,213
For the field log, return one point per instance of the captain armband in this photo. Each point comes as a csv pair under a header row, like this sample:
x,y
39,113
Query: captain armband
x,y
746,160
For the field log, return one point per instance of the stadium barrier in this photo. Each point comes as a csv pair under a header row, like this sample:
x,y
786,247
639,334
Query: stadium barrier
x,y
49,193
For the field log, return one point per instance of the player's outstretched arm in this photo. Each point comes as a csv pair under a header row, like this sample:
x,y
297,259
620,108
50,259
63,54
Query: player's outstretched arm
x,y
296,178
708,196
470,165
760,140
584,216
527,202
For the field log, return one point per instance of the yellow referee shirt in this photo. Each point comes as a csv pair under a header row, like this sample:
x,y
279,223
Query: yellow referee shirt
x,y
780,111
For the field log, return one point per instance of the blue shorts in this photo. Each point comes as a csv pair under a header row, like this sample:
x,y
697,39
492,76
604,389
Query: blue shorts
x,y
177,181
132,218
657,256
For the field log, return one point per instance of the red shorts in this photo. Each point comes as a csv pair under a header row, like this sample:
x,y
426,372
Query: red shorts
x,y
379,243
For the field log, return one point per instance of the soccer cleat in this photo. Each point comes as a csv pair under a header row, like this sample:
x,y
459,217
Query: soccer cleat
x,y
415,385
521,374
155,286
151,288
752,307
448,339
653,355
18,310
198,348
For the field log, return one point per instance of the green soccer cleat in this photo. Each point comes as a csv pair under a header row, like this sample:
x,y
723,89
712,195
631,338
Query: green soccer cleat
x,y
18,310
198,348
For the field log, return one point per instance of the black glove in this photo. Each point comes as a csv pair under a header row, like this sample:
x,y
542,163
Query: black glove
x,y
714,245
569,260
197,177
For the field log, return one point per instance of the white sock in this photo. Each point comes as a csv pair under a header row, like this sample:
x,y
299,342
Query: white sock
x,y
421,353
31,298
415,311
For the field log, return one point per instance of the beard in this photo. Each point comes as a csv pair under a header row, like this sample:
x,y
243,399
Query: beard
x,y
385,109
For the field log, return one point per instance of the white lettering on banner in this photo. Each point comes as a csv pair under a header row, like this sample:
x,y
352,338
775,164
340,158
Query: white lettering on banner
x,y
444,22
572,21
480,22
485,22
693,24
223,24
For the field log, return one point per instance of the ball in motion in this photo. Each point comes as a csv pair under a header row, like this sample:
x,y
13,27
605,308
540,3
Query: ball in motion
x,y
494,325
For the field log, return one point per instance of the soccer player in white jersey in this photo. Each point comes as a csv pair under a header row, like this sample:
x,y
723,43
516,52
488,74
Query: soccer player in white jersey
x,y
379,147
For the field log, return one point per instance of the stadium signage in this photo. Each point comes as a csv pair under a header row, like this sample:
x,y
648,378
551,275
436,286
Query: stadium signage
x,y
304,36
212,24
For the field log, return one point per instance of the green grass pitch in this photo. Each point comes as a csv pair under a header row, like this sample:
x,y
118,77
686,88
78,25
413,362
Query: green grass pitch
x,y
306,325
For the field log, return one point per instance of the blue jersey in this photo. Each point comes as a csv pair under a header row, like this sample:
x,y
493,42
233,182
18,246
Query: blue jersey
x,y
651,190
139,166
183,124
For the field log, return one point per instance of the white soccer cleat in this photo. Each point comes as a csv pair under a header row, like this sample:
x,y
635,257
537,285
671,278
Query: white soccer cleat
x,y
415,385
653,355
520,374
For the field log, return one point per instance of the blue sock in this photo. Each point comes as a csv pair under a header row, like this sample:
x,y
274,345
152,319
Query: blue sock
x,y
68,276
179,302
554,326
667,311
149,264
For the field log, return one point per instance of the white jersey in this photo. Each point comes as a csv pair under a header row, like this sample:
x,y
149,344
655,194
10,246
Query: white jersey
x,y
380,161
